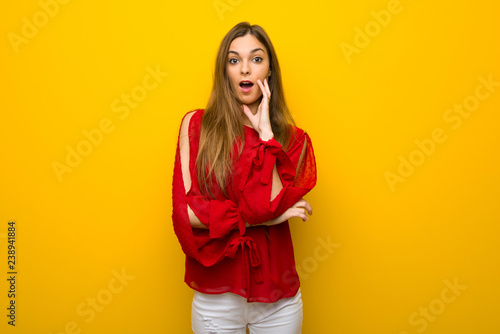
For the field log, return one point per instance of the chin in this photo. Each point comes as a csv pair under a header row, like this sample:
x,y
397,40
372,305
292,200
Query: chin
x,y
250,99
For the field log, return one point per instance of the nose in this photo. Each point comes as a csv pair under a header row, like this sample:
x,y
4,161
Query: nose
x,y
245,69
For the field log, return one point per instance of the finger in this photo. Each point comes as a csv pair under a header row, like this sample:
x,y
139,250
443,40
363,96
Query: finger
x,y
300,213
266,83
302,203
308,207
263,90
247,111
260,85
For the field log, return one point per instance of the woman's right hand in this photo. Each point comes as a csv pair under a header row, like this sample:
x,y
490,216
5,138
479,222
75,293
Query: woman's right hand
x,y
298,210
261,121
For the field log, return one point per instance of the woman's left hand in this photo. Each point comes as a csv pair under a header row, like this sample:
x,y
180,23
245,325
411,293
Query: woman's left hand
x,y
260,121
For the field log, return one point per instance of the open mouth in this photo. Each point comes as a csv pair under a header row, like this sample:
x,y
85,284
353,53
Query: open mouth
x,y
246,85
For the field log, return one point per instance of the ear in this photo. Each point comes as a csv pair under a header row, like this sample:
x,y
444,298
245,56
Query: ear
x,y
269,74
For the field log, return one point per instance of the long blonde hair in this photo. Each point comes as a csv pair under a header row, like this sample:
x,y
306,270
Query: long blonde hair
x,y
222,120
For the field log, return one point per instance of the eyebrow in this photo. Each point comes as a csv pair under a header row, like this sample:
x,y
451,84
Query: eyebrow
x,y
254,50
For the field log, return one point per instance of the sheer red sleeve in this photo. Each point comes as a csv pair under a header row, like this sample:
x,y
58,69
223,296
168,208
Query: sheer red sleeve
x,y
255,204
220,215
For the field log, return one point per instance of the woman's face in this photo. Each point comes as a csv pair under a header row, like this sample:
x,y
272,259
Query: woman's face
x,y
247,61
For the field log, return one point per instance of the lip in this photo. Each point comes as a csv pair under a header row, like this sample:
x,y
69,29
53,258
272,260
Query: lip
x,y
246,89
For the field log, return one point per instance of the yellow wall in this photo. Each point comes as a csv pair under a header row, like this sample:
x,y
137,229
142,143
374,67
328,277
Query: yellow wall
x,y
407,202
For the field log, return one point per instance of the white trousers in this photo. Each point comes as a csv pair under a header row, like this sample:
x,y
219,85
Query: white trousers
x,y
230,313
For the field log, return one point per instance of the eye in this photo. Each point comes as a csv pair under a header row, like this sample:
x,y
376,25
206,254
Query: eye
x,y
233,61
258,59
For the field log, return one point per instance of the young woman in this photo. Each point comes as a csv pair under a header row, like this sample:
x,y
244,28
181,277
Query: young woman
x,y
241,170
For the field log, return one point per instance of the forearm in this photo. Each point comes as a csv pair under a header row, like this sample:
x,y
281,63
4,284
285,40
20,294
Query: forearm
x,y
277,179
195,221
277,184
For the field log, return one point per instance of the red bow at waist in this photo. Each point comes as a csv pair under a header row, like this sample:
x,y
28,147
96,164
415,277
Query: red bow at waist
x,y
250,256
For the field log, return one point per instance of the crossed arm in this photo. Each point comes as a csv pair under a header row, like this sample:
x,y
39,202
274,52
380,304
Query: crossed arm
x,y
298,210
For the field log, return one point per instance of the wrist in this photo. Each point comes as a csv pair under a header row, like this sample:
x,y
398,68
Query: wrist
x,y
266,135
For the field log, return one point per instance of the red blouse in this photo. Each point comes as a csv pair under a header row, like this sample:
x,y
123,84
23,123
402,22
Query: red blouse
x,y
255,262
